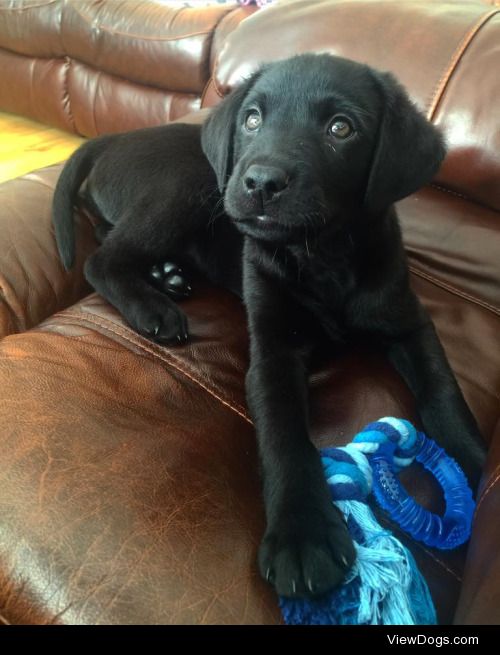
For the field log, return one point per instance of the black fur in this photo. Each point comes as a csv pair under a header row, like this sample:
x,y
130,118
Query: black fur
x,y
299,221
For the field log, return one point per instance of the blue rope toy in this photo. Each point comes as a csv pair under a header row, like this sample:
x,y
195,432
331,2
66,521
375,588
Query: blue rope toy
x,y
385,586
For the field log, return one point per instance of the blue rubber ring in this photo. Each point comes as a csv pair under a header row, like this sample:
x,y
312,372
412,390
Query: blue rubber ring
x,y
446,532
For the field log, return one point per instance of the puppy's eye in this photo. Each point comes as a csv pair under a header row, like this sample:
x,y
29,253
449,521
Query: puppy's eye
x,y
253,121
340,128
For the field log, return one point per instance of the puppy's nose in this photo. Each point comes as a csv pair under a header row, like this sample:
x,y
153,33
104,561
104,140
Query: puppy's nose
x,y
267,181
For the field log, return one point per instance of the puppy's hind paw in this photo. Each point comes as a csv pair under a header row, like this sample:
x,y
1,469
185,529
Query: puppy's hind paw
x,y
170,279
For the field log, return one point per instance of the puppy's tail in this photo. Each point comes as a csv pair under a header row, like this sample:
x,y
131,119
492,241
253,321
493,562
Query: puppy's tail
x,y
73,174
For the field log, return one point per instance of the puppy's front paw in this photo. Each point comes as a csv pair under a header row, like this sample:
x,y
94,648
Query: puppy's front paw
x,y
170,279
306,555
159,319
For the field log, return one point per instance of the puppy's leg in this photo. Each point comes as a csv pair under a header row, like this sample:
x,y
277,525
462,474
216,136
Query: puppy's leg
x,y
306,549
404,329
395,318
420,359
119,270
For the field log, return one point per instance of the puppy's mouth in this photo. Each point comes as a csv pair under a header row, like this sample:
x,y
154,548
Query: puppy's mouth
x,y
263,221
263,227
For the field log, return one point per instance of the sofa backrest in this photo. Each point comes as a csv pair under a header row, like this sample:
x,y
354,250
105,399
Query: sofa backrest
x,y
95,67
447,54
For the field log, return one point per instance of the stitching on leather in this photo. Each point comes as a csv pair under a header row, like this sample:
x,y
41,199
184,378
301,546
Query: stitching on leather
x,y
440,88
397,529
217,59
216,65
217,91
141,37
210,46
488,489
453,573
27,8
154,38
462,196
454,290
125,334
453,193
205,91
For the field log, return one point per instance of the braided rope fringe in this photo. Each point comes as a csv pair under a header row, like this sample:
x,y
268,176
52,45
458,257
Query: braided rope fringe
x,y
384,587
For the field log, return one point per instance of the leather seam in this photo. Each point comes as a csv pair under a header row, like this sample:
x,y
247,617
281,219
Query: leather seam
x,y
440,88
205,91
454,290
463,196
451,572
217,91
216,65
125,334
140,37
396,528
210,48
154,38
452,193
21,9
486,492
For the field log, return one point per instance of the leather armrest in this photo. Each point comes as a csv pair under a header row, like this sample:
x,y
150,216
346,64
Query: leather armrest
x,y
33,282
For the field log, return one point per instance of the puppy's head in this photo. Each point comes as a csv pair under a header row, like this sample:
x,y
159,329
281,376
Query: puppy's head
x,y
308,141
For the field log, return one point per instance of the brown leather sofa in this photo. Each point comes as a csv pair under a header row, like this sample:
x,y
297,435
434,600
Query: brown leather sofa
x,y
128,476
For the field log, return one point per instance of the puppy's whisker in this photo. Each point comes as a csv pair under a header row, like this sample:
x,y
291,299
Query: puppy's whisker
x,y
209,196
215,213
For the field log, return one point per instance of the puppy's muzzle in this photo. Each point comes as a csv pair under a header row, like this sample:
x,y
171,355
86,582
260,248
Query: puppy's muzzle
x,y
263,184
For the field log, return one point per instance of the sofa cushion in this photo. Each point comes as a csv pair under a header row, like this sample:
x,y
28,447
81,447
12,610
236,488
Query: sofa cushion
x,y
453,246
129,488
33,283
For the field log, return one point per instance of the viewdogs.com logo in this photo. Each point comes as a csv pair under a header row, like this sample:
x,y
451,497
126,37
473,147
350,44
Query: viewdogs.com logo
x,y
425,640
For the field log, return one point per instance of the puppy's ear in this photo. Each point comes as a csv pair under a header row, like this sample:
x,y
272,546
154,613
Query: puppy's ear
x,y
217,133
409,149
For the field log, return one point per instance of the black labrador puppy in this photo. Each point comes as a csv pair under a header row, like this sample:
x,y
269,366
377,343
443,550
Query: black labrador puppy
x,y
287,200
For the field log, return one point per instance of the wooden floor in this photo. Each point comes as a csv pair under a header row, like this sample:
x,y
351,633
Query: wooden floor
x,y
26,145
